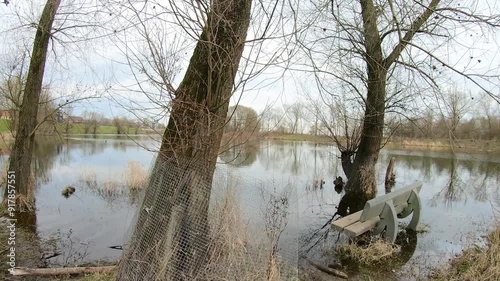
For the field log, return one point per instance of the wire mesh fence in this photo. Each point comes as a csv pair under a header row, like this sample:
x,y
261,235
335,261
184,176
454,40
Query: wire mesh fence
x,y
199,224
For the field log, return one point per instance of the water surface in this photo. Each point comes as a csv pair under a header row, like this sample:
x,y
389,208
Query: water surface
x,y
458,194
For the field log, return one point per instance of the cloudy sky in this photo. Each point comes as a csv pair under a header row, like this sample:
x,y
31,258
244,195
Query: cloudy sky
x,y
95,53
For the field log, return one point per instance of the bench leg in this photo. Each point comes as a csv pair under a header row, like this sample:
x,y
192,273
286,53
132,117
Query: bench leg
x,y
415,204
389,222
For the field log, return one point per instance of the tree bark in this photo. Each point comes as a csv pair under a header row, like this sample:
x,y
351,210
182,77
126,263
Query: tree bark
x,y
21,154
361,184
346,160
171,235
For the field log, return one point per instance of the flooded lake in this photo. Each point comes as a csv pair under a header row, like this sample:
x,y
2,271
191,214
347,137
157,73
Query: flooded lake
x,y
459,194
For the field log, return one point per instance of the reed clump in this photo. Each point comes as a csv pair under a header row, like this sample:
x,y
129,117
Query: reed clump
x,y
136,176
372,253
232,254
475,263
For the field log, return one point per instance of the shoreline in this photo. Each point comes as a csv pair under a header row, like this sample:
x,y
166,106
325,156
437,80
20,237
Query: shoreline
x,y
463,145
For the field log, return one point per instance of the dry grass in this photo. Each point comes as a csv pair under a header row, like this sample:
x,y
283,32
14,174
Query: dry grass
x,y
373,253
109,190
232,254
24,204
238,252
475,264
88,177
136,176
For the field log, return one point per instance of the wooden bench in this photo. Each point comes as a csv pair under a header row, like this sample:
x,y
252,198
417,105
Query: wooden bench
x,y
382,213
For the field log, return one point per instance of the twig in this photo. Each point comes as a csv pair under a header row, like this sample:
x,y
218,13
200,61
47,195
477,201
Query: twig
x,y
317,231
331,271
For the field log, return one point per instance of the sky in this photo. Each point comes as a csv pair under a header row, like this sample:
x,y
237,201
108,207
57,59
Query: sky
x,y
100,65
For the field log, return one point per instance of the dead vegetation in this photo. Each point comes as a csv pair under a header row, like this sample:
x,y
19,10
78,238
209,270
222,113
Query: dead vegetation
x,y
475,263
136,176
368,253
234,253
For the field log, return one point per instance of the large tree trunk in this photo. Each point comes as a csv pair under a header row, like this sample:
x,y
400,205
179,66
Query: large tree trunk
x,y
171,236
21,154
361,184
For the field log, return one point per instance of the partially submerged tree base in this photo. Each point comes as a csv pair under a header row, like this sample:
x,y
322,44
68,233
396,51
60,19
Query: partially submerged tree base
x,y
352,202
21,203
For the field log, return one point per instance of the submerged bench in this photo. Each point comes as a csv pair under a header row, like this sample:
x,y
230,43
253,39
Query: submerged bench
x,y
382,213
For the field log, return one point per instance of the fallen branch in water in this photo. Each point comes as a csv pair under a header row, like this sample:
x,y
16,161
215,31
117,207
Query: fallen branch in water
x,y
22,271
325,269
323,236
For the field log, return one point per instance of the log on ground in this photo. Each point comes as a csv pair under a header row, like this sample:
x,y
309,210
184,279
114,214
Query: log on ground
x,y
20,271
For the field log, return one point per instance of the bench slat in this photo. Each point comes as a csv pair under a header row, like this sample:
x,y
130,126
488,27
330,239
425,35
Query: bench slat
x,y
375,206
346,221
359,228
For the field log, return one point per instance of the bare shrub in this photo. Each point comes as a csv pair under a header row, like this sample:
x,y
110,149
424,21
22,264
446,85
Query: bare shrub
x,y
109,190
276,220
232,254
89,178
136,176
236,252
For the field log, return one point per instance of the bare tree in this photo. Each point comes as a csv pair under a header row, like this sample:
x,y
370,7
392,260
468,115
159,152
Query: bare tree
x,y
197,115
273,119
12,82
456,105
372,48
21,154
119,125
339,118
91,120
294,116
491,117
242,119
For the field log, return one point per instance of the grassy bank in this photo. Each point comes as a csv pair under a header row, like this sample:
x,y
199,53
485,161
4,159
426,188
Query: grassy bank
x,y
296,137
467,145
480,264
74,128
101,129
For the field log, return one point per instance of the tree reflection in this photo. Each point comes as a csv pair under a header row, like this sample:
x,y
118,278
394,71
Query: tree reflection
x,y
454,189
45,151
240,155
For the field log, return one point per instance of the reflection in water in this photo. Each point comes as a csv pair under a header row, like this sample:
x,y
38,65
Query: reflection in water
x,y
453,191
243,154
101,210
407,240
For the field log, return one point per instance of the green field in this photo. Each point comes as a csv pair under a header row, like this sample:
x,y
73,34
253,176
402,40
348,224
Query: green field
x,y
4,125
102,129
